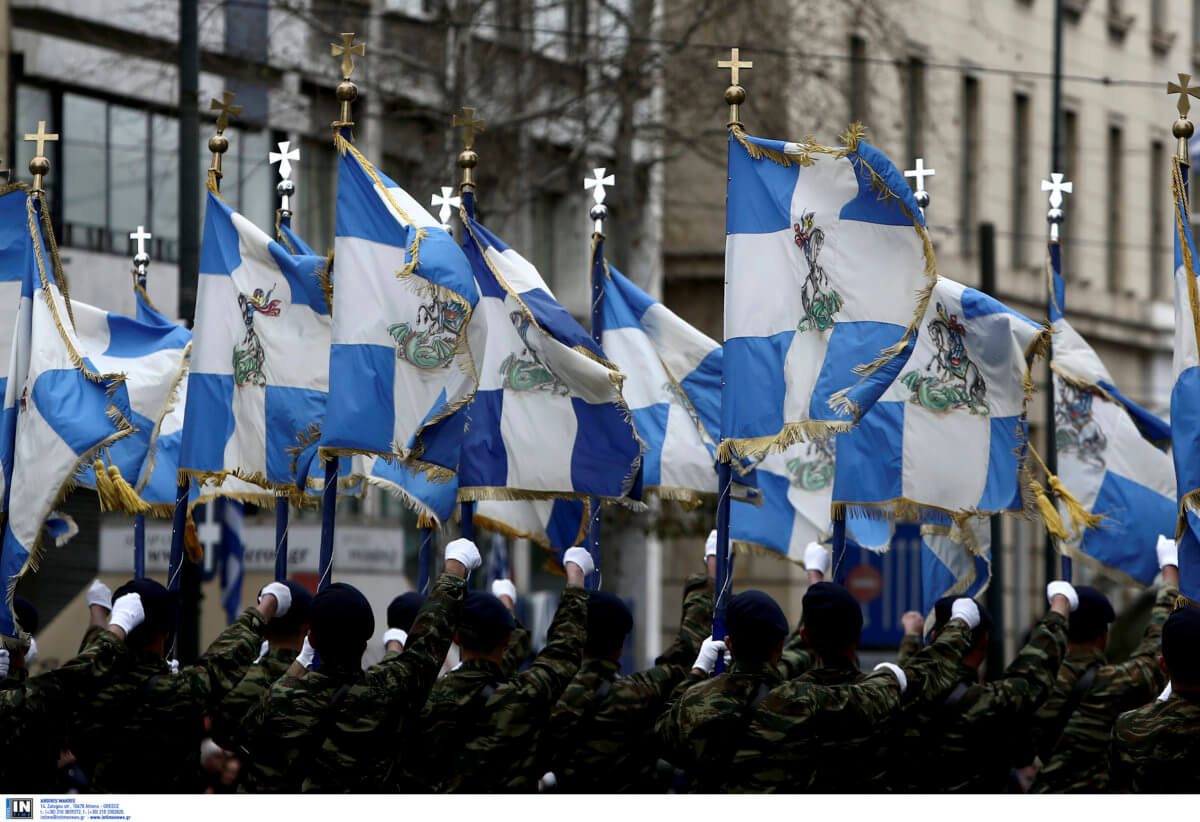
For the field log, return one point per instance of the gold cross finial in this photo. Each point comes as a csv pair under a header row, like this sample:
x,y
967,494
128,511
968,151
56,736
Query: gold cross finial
x,y
1184,91
469,125
226,108
41,138
734,64
347,51
39,166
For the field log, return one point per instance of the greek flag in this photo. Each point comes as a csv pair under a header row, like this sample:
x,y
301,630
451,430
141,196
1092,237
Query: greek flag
x,y
949,436
1185,396
549,420
57,409
400,359
796,488
259,368
230,513
828,269
552,524
955,560
1111,455
672,385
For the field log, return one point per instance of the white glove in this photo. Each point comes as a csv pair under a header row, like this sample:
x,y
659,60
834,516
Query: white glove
x,y
398,634
464,551
262,650
1166,694
710,545
898,672
4,663
99,594
31,652
967,610
173,664
816,558
1168,552
282,594
307,652
505,588
1066,589
710,651
127,613
580,557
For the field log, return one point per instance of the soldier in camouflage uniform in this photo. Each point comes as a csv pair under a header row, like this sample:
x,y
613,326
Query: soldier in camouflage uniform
x,y
336,728
142,732
480,728
808,736
284,639
1156,748
520,643
965,742
1075,754
798,657
601,733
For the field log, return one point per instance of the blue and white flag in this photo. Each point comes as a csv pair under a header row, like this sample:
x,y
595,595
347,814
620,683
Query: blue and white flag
x,y
230,514
1185,396
57,407
549,420
828,270
259,368
796,488
948,437
552,524
672,385
1111,456
400,360
955,560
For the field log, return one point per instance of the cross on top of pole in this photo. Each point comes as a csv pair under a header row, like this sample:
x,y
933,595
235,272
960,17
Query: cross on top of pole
x,y
919,174
1184,91
1057,188
140,236
469,125
39,166
597,184
447,203
734,64
226,108
735,95
347,50
285,158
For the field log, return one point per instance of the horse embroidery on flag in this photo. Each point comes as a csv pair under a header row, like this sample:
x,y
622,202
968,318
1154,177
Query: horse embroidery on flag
x,y
814,471
956,382
529,375
248,355
1075,429
432,347
820,302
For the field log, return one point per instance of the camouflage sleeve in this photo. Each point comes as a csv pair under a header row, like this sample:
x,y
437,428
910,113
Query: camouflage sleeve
x,y
90,634
695,623
412,673
692,678
558,662
908,647
1118,766
1029,679
82,675
272,732
933,671
1141,671
520,648
222,666
668,731
797,657
226,716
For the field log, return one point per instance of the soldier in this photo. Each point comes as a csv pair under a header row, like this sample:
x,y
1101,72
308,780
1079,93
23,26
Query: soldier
x,y
402,611
695,731
334,728
601,733
810,735
965,743
798,657
143,731
480,729
520,643
284,640
1072,729
1155,748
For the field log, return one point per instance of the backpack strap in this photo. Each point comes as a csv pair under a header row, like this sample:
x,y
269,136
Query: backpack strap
x,y
955,698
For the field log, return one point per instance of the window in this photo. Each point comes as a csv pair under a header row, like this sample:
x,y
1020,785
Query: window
x,y
316,184
970,158
914,99
1160,274
858,80
1021,178
1115,236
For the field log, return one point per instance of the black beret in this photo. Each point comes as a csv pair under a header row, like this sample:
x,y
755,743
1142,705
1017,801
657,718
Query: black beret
x,y
403,610
1181,645
941,615
341,622
298,614
609,620
158,604
1094,613
27,615
486,613
827,603
755,611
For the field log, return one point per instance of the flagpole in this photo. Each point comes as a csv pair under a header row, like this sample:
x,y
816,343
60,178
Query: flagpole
x,y
467,160
1054,218
141,262
425,559
1055,164
598,212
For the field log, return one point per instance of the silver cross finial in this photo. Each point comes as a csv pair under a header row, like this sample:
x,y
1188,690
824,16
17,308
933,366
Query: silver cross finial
x,y
140,236
1057,189
141,260
919,174
597,184
285,158
447,203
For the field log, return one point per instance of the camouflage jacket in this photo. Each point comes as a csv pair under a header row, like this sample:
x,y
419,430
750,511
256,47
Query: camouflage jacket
x,y
807,736
142,733
969,746
908,646
1156,748
471,744
1079,760
697,731
519,650
337,729
34,713
797,657
226,718
605,743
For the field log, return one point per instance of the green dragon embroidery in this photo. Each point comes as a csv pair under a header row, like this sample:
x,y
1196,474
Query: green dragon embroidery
x,y
431,341
821,302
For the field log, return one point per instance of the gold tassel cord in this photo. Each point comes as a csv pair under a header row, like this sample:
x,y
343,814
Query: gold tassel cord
x,y
1081,518
1049,513
104,489
127,499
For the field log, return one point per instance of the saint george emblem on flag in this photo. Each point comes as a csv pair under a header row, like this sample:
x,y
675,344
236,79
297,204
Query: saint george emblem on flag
x,y
828,270
1111,456
57,407
400,359
796,488
259,366
549,420
948,438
